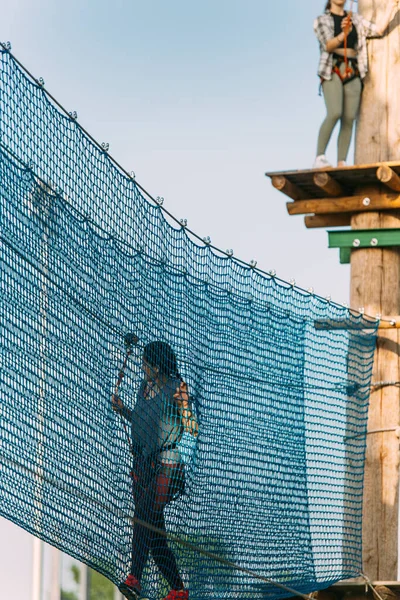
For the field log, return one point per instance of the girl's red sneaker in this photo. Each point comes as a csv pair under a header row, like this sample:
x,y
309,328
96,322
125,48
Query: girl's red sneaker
x,y
130,588
178,595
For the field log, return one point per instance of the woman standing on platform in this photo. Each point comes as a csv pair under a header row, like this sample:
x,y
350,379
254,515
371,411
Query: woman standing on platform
x,y
343,65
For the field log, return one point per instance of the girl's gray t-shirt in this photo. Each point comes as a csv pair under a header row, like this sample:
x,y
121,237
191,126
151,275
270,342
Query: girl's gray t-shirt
x,y
157,422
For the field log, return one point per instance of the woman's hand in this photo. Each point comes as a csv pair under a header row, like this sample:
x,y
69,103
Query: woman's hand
x,y
182,395
117,403
347,25
188,418
334,43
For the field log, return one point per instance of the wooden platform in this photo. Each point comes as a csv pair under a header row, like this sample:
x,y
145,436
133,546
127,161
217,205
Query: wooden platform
x,y
331,196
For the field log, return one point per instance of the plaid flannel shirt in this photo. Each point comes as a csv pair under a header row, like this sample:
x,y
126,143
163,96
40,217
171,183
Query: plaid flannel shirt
x,y
324,29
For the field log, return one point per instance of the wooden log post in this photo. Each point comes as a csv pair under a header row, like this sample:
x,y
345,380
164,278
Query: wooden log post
x,y
328,185
375,285
286,187
367,199
389,177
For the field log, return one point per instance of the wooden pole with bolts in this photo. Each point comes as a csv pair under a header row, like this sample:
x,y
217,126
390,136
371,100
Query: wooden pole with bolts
x,y
375,285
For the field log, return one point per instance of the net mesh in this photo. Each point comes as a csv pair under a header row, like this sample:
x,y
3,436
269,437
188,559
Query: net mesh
x,y
253,452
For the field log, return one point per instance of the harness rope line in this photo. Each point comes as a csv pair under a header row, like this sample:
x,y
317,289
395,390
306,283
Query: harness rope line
x,y
176,539
374,319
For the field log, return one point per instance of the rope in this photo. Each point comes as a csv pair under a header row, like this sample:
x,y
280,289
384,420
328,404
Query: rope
x,y
369,584
396,429
372,431
383,384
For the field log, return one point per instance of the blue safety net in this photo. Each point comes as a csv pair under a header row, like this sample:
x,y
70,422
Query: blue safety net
x,y
234,453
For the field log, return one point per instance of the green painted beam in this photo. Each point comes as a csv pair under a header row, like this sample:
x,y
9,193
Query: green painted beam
x,y
364,238
347,240
345,254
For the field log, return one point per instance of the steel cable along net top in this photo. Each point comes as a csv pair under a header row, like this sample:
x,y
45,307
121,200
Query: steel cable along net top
x,y
250,446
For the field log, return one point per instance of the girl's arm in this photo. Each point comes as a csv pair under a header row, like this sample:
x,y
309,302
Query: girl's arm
x,y
120,407
334,43
189,420
327,43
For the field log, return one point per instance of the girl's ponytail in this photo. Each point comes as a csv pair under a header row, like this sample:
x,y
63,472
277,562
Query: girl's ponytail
x,y
328,5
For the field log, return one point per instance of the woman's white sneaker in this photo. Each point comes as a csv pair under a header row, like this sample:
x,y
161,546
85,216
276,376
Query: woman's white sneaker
x,y
321,162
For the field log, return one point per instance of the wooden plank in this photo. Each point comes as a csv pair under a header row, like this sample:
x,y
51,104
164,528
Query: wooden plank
x,y
352,204
348,177
389,177
283,185
327,221
372,166
329,185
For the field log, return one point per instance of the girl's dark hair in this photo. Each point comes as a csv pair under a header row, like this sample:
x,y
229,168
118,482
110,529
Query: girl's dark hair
x,y
328,5
160,354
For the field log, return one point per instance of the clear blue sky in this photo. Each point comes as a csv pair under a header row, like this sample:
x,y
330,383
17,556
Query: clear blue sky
x,y
199,99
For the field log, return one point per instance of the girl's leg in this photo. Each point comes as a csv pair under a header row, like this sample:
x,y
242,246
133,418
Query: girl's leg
x,y
333,95
162,554
142,536
352,96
